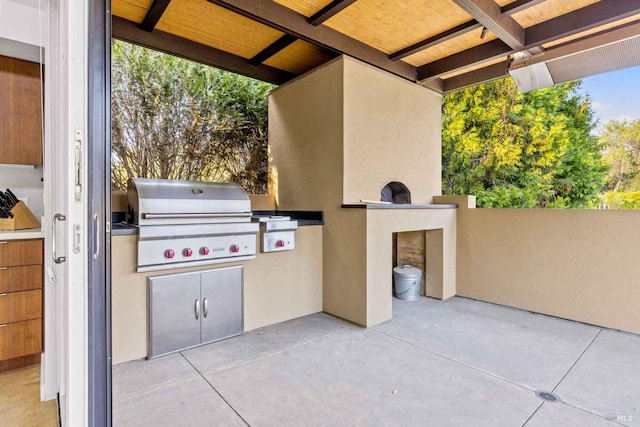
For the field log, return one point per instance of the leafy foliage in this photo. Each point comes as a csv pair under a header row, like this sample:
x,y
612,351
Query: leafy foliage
x,y
621,199
621,140
521,150
173,118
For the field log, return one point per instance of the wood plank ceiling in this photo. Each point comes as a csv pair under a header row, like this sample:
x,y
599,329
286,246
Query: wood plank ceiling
x,y
442,44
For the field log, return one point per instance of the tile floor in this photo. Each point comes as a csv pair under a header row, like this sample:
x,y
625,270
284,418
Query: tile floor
x,y
454,363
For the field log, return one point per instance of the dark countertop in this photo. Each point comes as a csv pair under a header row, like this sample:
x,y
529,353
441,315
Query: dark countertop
x,y
400,206
304,218
123,229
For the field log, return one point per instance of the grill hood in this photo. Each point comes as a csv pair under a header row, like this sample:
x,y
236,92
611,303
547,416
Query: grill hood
x,y
164,201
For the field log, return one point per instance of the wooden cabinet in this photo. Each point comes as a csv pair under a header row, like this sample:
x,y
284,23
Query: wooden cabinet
x,y
21,96
21,302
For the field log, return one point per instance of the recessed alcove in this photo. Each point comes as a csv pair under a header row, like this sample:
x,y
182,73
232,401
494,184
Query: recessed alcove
x,y
422,249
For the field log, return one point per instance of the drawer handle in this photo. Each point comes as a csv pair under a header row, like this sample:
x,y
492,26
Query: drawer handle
x,y
3,295
3,243
2,326
3,268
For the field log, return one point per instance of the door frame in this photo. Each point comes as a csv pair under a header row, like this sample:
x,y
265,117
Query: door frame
x,y
99,212
78,186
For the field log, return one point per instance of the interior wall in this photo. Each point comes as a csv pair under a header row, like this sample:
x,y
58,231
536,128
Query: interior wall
x,y
13,16
575,264
26,183
392,132
21,41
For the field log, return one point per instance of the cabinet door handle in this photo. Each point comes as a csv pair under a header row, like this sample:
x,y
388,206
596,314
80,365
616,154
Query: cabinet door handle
x,y
4,243
57,259
205,308
197,308
3,295
3,326
3,268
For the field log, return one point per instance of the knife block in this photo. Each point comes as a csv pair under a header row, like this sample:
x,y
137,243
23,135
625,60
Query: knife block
x,y
22,219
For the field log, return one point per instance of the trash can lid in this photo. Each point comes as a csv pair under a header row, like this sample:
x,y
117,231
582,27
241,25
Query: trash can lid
x,y
407,270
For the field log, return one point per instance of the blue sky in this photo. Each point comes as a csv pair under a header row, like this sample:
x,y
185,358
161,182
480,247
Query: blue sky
x,y
615,95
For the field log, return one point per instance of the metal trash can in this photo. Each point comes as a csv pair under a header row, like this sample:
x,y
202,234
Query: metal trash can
x,y
407,282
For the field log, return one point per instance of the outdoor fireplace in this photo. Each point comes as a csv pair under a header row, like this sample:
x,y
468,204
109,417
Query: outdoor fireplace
x,y
395,192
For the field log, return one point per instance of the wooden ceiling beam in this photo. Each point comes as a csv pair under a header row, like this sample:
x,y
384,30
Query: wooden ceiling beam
x,y
436,84
467,58
333,8
154,14
274,15
500,70
472,78
437,39
272,49
489,14
518,6
586,18
465,27
130,32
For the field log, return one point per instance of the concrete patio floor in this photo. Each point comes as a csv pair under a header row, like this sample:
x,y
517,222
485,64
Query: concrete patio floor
x,y
454,363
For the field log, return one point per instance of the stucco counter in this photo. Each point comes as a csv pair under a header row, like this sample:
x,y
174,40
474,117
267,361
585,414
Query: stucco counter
x,y
278,286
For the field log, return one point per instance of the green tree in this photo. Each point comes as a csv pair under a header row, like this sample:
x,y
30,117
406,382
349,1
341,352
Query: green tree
x,y
621,140
173,118
521,150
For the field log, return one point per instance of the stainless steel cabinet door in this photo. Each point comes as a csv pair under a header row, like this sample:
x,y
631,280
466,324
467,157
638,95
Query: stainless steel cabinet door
x,y
222,303
175,310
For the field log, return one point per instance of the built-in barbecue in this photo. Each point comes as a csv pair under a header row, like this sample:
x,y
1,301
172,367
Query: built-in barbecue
x,y
188,223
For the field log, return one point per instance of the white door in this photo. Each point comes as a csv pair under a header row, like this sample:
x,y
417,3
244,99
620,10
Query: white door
x,y
65,184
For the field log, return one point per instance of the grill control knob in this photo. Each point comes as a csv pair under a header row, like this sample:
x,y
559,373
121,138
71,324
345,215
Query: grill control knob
x,y
234,249
280,244
204,250
187,252
169,254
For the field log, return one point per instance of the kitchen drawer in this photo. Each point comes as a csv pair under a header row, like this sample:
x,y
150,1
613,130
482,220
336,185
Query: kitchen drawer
x,y
20,339
20,252
19,306
23,278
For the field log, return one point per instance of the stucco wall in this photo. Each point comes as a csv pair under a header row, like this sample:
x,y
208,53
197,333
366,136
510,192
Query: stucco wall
x,y
305,139
391,133
576,264
331,132
277,287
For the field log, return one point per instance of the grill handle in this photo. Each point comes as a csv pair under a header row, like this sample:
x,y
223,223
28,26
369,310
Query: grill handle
x,y
194,215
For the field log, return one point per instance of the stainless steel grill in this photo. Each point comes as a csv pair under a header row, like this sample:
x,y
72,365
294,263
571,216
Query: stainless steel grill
x,y
185,223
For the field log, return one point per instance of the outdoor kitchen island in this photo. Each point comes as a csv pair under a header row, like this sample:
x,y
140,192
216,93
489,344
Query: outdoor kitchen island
x,y
277,286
